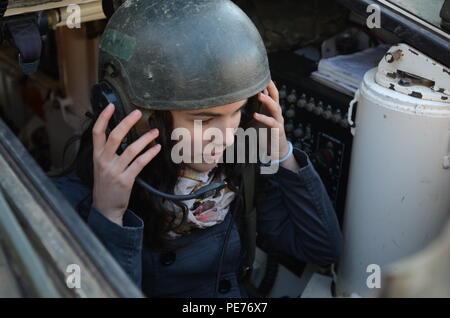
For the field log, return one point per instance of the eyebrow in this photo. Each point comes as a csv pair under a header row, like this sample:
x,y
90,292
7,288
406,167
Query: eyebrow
x,y
213,114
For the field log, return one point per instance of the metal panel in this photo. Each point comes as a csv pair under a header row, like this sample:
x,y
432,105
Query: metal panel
x,y
58,235
425,38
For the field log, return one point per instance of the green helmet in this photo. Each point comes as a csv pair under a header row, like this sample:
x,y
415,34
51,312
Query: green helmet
x,y
182,54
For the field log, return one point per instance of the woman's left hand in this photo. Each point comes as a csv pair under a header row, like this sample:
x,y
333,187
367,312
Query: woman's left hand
x,y
271,117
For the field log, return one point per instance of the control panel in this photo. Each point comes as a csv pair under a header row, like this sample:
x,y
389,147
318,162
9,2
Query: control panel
x,y
315,121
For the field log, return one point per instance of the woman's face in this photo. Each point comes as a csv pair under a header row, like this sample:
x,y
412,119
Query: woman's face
x,y
224,119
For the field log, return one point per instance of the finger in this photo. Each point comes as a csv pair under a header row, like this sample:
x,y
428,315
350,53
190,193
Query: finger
x,y
273,107
266,120
98,130
135,148
119,132
273,92
140,162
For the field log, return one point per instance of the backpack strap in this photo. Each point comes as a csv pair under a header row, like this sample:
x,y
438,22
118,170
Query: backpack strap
x,y
25,34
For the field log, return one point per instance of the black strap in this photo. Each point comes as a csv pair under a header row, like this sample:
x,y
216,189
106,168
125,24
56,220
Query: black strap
x,y
25,34
3,7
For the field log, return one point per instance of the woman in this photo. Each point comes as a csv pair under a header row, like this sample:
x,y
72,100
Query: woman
x,y
195,247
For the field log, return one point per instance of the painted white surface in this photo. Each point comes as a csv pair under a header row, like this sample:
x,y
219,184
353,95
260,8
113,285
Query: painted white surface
x,y
398,195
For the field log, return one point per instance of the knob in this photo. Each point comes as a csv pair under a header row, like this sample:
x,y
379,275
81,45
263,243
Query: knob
x,y
292,97
319,109
282,93
308,133
298,132
302,101
327,113
344,121
310,105
336,116
290,113
289,126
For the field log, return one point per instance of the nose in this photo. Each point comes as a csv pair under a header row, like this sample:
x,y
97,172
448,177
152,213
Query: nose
x,y
229,136
228,129
227,132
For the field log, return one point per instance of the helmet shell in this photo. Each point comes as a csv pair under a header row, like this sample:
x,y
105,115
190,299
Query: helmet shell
x,y
183,54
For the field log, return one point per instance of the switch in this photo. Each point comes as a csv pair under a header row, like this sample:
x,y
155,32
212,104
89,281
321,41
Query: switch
x,y
290,113
337,116
310,105
282,92
328,112
292,97
308,133
298,133
301,101
289,126
319,109
344,121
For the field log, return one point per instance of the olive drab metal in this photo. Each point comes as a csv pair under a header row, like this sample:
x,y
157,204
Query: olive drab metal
x,y
184,54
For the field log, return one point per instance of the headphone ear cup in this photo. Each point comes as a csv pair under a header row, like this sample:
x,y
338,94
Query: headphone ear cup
x,y
98,99
102,94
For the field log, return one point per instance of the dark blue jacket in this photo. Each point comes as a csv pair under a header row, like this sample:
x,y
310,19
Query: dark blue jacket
x,y
296,217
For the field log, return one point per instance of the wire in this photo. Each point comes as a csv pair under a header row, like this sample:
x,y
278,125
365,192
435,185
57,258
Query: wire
x,y
222,252
203,192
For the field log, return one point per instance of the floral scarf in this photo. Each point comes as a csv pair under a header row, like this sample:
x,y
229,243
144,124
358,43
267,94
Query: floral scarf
x,y
202,213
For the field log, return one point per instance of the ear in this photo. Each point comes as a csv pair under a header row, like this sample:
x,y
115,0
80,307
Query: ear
x,y
253,105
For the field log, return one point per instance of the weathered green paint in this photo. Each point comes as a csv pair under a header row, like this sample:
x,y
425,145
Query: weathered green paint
x,y
118,44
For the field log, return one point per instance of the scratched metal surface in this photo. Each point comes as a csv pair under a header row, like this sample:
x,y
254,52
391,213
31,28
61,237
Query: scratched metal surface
x,y
425,10
27,3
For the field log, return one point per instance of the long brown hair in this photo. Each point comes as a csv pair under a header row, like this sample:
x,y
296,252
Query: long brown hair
x,y
160,173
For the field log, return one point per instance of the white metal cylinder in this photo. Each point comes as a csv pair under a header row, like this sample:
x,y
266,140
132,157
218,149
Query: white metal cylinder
x,y
398,196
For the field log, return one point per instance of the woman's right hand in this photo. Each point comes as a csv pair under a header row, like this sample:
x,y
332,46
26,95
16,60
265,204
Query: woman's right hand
x,y
114,174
